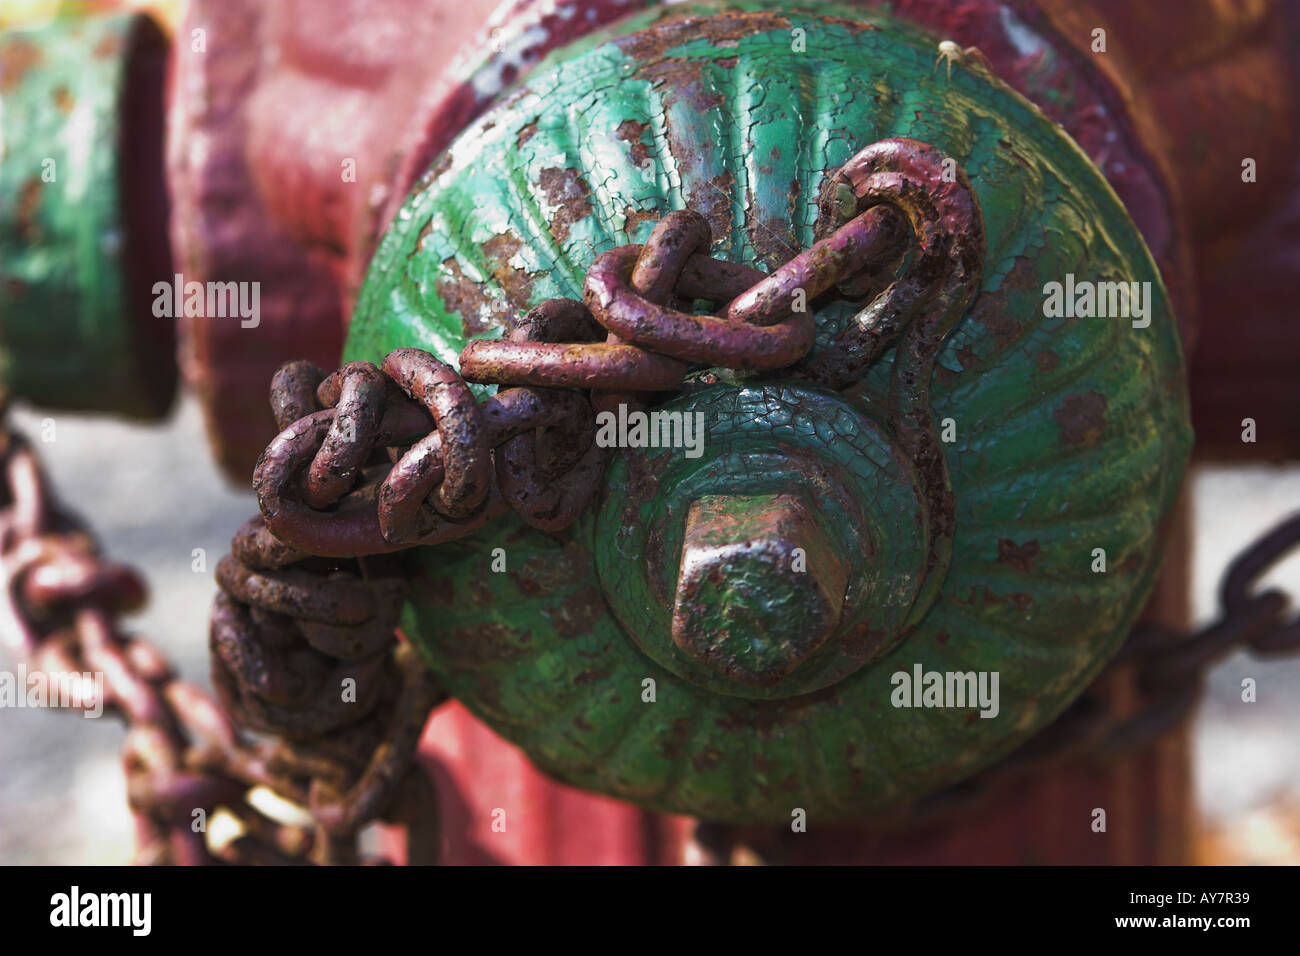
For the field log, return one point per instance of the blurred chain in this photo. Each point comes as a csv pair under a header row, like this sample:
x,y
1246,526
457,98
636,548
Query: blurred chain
x,y
371,460
59,606
368,462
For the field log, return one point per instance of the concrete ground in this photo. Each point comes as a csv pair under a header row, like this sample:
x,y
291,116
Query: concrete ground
x,y
62,792
61,786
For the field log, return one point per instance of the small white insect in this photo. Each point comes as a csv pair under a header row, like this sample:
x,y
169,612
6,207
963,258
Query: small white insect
x,y
950,51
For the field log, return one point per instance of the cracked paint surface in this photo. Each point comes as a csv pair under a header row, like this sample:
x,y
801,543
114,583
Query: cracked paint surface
x,y
1070,434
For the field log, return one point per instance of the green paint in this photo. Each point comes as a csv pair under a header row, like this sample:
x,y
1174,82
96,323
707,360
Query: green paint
x,y
68,335
764,441
1071,434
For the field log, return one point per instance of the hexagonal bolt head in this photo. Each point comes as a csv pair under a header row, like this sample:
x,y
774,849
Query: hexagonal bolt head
x,y
760,586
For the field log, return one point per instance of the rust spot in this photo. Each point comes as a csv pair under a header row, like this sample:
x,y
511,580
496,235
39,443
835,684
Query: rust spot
x,y
1082,418
466,298
943,637
479,311
643,479
569,194
528,587
976,599
712,200
578,613
1004,329
706,760
675,78
734,721
862,640
545,574
966,355
439,589
637,216
630,132
64,100
489,691
773,241
718,29
991,309
500,249
441,166
677,738
16,58
688,81
425,230
855,27
525,134
108,46
481,594
483,643
793,194
1023,602
29,203
1021,557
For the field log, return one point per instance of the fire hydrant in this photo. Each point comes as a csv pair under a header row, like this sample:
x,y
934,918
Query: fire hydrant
x,y
905,354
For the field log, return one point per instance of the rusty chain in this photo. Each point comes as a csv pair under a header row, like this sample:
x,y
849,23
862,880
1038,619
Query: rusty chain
x,y
59,604
310,592
373,460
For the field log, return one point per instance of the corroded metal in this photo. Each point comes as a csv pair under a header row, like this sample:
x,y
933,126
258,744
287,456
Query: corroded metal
x,y
379,87
1123,108
440,487
1033,403
282,640
359,393
760,587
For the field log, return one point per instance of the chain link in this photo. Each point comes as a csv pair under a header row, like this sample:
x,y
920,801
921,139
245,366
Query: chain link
x,y
371,460
59,605
311,591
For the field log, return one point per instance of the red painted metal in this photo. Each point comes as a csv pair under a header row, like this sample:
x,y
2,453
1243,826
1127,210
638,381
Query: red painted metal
x,y
1245,365
545,822
255,167
259,147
